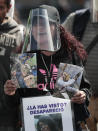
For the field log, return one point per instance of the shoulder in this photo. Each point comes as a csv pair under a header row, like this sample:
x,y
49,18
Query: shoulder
x,y
78,13
82,15
69,18
15,28
68,23
82,12
13,24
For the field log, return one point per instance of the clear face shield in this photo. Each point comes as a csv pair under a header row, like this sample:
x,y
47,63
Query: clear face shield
x,y
94,10
44,32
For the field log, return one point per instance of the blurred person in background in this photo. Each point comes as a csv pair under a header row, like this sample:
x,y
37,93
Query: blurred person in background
x,y
63,7
77,4
11,10
84,25
10,37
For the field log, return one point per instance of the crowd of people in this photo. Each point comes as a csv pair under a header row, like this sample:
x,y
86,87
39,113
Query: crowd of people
x,y
53,44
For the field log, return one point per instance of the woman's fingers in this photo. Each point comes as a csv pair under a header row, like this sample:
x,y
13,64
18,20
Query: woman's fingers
x,y
9,87
79,97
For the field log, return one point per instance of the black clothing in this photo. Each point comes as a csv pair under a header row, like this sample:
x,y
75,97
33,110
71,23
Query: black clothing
x,y
9,38
86,31
45,79
80,22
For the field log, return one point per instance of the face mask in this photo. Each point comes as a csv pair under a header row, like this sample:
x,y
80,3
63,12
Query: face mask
x,y
11,10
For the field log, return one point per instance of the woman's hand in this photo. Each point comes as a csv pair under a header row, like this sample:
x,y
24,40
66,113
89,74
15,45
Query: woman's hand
x,y
9,87
79,97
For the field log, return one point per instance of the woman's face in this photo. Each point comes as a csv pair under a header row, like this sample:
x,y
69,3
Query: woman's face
x,y
41,32
3,10
44,127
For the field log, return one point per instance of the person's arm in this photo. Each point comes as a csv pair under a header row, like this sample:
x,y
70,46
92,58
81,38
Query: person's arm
x,y
84,92
86,87
11,96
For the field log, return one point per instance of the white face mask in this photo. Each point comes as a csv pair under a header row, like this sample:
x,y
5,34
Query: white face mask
x,y
11,11
94,11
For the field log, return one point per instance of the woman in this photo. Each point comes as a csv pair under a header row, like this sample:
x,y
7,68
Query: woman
x,y
48,59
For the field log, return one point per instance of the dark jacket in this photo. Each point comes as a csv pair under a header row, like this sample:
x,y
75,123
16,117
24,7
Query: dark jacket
x,y
60,56
10,37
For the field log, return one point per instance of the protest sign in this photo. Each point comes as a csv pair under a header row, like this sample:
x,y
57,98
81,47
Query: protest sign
x,y
38,112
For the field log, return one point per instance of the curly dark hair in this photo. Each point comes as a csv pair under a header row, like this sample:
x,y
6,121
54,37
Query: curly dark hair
x,y
48,120
70,43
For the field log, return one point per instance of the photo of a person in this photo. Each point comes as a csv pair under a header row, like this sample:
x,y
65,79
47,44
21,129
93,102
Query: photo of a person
x,y
47,123
23,70
19,76
68,78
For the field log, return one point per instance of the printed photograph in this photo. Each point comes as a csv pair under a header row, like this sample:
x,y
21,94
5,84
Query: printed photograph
x,y
50,122
69,77
24,70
